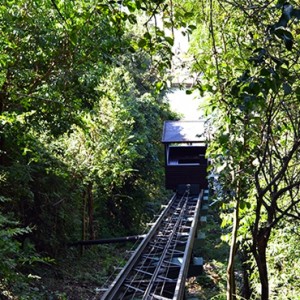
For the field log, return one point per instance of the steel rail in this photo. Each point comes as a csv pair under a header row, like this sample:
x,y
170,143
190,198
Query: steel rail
x,y
166,249
153,255
179,290
159,266
115,286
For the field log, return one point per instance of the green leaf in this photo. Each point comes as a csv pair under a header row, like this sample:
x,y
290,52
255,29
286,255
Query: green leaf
x,y
131,5
297,92
170,40
142,43
132,19
159,85
147,35
287,89
265,72
188,15
286,36
244,205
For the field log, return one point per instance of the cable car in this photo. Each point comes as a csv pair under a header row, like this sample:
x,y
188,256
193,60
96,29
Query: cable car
x,y
185,161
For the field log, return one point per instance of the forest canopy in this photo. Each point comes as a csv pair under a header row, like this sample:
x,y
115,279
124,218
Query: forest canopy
x,y
247,55
81,102
82,87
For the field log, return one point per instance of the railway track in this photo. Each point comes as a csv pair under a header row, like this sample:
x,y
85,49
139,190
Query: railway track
x,y
158,268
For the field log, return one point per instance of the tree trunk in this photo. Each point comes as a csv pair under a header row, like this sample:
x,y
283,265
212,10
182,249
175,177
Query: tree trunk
x,y
261,261
231,288
263,274
83,227
3,100
246,290
91,210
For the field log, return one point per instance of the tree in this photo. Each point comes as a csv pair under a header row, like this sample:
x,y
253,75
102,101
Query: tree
x,y
252,82
78,90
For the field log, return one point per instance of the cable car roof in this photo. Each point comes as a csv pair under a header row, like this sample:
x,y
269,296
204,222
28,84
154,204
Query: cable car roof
x,y
183,132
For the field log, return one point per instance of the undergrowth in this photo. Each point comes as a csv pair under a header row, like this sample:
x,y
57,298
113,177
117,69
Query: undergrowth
x,y
211,283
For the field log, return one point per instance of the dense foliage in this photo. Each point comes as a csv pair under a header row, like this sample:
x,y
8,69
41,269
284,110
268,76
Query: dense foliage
x,y
81,103
247,53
